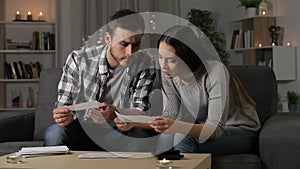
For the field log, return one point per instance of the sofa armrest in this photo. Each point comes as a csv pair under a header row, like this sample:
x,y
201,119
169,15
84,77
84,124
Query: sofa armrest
x,y
16,126
279,141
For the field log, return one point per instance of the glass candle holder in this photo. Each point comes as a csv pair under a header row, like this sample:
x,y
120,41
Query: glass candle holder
x,y
13,159
29,16
164,164
18,16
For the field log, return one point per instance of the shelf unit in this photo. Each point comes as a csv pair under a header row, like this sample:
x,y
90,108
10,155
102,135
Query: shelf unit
x,y
22,31
281,58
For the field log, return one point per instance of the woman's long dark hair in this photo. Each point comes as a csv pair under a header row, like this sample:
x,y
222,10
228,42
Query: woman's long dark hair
x,y
183,40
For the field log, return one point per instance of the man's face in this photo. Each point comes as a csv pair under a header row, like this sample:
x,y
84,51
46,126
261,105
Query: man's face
x,y
121,45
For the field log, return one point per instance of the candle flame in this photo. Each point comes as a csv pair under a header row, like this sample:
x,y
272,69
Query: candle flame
x,y
165,161
41,14
29,13
18,12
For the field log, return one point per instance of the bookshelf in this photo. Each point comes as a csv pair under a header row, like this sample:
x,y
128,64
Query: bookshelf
x,y
258,49
19,45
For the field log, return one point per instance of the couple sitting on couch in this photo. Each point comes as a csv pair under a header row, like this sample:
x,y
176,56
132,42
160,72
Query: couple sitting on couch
x,y
205,107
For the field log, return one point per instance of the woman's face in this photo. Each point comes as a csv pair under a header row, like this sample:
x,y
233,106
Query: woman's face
x,y
171,65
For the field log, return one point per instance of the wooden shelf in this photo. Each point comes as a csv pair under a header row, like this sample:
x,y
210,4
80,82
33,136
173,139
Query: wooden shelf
x,y
26,23
15,109
23,51
18,80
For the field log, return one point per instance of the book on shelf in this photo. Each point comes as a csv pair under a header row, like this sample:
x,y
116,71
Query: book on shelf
x,y
233,39
43,41
20,70
242,39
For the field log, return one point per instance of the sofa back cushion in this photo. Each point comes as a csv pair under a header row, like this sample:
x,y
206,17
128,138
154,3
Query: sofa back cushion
x,y
261,84
47,96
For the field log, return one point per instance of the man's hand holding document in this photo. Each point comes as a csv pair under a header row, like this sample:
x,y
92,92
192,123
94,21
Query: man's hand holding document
x,y
97,109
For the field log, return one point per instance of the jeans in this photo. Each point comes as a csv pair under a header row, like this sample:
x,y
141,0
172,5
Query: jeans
x,y
234,140
99,138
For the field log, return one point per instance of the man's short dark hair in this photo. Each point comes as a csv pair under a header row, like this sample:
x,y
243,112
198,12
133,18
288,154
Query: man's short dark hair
x,y
126,19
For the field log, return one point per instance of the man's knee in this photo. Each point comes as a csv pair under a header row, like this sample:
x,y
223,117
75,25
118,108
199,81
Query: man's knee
x,y
54,135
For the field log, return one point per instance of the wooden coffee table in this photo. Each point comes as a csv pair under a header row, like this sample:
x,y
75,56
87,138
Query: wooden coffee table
x,y
137,161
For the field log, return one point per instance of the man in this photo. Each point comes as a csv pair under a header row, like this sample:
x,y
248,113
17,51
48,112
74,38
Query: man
x,y
109,74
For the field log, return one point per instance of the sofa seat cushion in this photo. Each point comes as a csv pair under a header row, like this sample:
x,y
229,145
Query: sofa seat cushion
x,y
16,125
11,147
279,141
236,161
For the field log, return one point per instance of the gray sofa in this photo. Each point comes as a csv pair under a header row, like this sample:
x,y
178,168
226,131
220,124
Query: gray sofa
x,y
278,146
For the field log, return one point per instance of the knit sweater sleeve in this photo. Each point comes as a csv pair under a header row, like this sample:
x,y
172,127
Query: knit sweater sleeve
x,y
217,86
171,99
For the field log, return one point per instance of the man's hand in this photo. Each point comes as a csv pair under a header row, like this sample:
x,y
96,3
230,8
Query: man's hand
x,y
62,116
122,125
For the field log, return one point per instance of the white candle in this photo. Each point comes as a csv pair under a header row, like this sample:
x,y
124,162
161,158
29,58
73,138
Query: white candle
x,y
29,16
41,17
164,164
18,15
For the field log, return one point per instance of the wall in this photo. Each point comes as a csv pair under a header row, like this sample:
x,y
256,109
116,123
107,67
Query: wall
x,y
70,27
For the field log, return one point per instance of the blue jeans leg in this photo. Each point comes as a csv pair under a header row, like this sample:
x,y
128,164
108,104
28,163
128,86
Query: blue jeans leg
x,y
55,135
234,140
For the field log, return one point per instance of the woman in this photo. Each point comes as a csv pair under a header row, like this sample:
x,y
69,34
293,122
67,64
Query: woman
x,y
205,105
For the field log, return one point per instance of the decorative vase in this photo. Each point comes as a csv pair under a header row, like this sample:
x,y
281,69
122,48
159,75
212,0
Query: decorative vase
x,y
251,11
292,107
274,33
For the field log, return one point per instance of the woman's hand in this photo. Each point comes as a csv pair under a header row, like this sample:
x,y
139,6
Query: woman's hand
x,y
62,116
162,125
103,114
123,126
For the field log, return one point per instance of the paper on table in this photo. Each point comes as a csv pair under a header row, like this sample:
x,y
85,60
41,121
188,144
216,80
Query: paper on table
x,y
134,118
83,106
104,155
35,151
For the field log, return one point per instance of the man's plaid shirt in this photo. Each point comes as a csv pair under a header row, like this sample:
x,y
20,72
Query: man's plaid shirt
x,y
85,75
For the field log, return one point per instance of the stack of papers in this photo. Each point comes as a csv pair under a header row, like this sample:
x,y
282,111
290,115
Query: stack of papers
x,y
39,151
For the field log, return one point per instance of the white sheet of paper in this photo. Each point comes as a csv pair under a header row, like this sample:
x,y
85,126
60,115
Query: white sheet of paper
x,y
104,155
134,118
83,106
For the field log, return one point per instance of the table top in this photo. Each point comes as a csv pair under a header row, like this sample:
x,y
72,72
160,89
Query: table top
x,y
136,161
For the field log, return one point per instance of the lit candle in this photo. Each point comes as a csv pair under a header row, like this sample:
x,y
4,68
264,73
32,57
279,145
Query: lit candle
x,y
259,45
263,12
164,164
41,17
288,44
273,44
29,16
18,15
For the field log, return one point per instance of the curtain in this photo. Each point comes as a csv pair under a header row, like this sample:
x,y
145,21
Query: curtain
x,y
97,11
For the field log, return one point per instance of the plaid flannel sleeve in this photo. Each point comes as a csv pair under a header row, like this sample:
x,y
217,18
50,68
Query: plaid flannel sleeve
x,y
68,85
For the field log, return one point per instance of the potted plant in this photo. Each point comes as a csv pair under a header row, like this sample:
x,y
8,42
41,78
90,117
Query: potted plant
x,y
251,6
293,98
204,21
250,3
